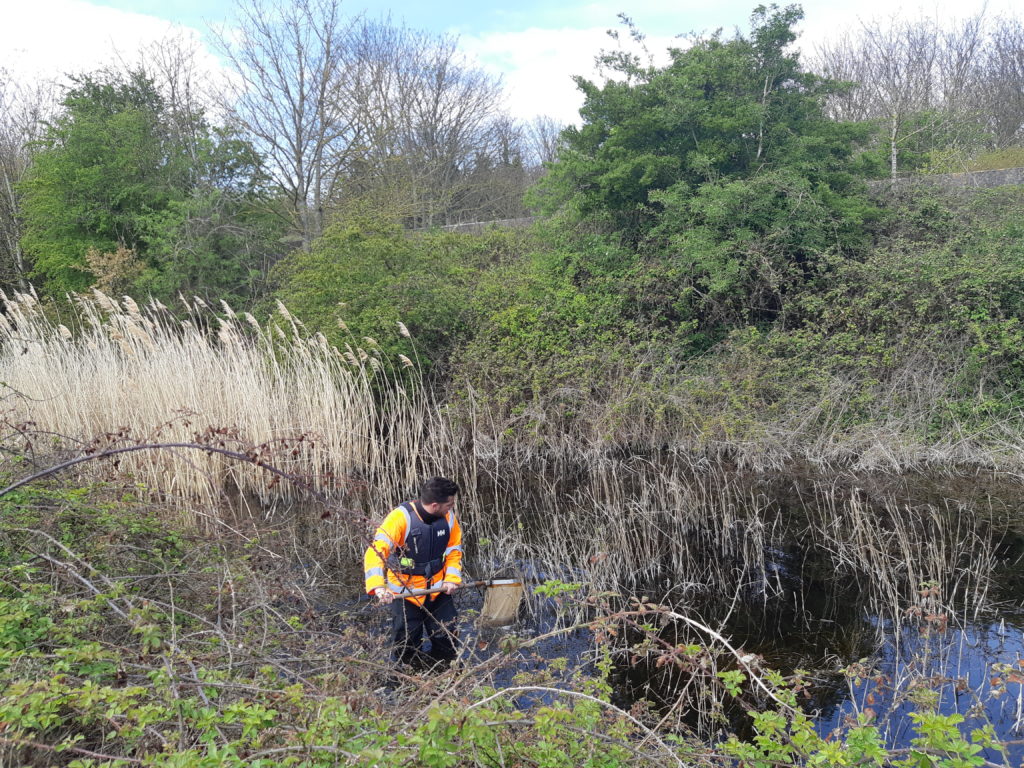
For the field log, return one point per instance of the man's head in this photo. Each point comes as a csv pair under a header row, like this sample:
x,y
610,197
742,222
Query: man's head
x,y
437,495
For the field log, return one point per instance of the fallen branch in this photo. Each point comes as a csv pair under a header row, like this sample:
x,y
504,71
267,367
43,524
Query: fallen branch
x,y
245,457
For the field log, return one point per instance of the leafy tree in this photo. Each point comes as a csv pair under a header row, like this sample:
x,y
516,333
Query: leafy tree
x,y
222,237
722,167
719,109
102,164
110,176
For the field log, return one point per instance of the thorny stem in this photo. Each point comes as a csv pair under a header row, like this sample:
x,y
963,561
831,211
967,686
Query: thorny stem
x,y
66,748
584,731
301,748
238,455
742,659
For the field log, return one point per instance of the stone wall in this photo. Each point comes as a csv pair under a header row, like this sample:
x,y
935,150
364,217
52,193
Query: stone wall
x,y
982,179
958,181
951,181
476,227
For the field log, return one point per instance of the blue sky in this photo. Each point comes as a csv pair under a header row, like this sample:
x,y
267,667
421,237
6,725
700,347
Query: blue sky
x,y
475,18
535,45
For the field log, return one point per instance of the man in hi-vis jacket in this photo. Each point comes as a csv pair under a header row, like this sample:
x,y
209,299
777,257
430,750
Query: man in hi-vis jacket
x,y
419,545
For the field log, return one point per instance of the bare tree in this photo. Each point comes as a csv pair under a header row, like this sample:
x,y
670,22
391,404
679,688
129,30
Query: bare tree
x,y
288,94
498,175
174,65
448,124
376,167
24,110
426,124
1002,99
902,76
543,135
959,86
357,113
959,53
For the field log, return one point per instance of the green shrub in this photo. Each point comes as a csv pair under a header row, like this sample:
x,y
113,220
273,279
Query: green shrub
x,y
363,278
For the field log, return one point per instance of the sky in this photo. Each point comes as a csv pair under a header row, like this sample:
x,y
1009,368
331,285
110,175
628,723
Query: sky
x,y
536,46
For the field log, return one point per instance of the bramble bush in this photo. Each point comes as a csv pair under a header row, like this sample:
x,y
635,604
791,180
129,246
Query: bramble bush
x,y
117,661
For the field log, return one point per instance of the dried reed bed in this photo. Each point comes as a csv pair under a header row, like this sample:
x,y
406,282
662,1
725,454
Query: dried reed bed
x,y
905,551
676,523
714,539
129,375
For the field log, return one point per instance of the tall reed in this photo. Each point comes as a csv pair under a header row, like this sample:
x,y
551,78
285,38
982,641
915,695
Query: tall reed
x,y
670,521
127,374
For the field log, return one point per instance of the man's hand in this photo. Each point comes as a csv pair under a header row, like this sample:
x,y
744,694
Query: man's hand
x,y
385,596
448,587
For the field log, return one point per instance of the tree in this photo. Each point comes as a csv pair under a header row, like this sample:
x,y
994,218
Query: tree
x,y
941,91
894,67
447,124
114,186
188,94
1003,76
370,275
428,136
100,165
543,138
24,110
221,238
494,177
722,168
290,97
721,109
353,112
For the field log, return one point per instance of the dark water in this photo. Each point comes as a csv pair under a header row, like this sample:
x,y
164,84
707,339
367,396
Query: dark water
x,y
956,659
928,633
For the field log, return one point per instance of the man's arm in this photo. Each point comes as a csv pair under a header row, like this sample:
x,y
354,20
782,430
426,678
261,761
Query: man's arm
x,y
390,534
453,557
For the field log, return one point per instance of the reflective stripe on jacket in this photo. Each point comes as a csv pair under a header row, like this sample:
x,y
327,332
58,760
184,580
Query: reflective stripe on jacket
x,y
434,549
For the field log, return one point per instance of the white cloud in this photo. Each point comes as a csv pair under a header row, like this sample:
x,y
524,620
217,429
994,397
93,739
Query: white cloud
x,y
537,66
42,39
826,21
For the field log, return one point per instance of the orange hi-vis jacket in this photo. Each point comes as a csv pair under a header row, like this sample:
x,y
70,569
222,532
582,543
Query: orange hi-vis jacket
x,y
404,543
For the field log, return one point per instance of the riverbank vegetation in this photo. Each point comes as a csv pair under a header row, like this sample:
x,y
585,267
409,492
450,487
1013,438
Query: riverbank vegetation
x,y
727,363
129,638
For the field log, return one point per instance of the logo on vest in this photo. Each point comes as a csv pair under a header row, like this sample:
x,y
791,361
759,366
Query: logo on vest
x,y
441,533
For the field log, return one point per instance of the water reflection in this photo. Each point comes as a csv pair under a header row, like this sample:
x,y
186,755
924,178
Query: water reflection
x,y
919,579
933,656
954,670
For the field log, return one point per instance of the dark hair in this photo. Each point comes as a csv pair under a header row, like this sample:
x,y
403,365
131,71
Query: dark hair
x,y
437,490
